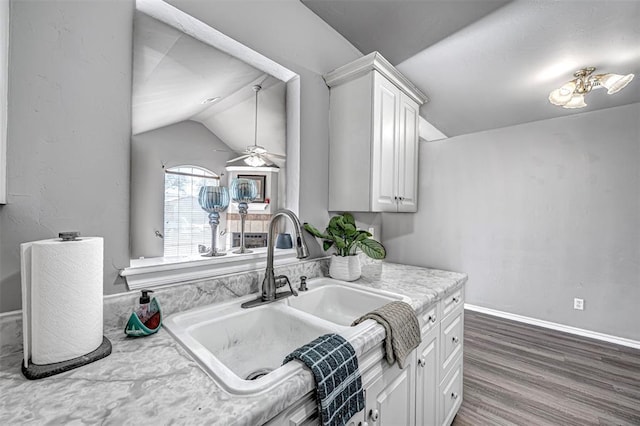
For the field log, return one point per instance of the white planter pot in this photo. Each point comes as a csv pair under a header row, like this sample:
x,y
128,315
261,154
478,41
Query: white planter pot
x,y
345,268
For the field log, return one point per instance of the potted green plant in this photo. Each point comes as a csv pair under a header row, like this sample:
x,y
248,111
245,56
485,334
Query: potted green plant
x,y
343,235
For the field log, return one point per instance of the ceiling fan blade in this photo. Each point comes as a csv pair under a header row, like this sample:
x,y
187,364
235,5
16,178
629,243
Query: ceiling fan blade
x,y
280,156
238,158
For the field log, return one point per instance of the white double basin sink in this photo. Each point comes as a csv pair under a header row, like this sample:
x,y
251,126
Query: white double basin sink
x,y
234,345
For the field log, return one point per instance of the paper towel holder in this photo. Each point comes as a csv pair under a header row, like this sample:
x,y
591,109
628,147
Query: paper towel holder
x,y
39,371
69,235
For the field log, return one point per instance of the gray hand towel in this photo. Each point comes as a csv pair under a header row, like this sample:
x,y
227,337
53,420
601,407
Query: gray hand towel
x,y
403,329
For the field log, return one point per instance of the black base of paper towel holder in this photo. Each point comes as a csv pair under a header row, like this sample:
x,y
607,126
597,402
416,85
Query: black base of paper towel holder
x,y
40,371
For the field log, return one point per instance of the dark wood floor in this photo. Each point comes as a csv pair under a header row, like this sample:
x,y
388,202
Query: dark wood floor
x,y
518,374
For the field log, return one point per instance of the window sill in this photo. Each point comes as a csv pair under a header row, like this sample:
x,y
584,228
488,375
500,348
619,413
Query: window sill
x,y
162,271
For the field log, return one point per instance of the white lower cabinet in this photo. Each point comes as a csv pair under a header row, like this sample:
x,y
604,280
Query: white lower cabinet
x,y
450,396
427,385
302,413
427,392
390,395
305,413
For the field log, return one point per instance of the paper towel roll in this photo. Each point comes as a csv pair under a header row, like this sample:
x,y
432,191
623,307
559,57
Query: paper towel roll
x,y
62,293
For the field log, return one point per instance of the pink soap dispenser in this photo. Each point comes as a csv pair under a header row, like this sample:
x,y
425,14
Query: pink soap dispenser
x,y
144,310
146,318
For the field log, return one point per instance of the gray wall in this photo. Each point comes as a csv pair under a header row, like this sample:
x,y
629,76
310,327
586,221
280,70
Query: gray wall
x,y
68,132
536,214
69,117
184,143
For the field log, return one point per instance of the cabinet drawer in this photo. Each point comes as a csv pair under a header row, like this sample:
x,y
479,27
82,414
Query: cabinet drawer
x,y
429,319
451,393
452,301
451,339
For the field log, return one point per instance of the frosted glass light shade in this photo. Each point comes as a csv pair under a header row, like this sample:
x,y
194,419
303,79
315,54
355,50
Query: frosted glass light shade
x,y
615,82
576,101
562,95
254,161
567,88
557,98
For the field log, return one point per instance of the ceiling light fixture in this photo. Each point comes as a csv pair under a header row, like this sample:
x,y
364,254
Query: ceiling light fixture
x,y
571,94
255,160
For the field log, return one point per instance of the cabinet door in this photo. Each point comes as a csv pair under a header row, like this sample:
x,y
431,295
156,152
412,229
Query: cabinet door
x,y
427,380
304,417
306,414
390,399
386,102
407,148
302,413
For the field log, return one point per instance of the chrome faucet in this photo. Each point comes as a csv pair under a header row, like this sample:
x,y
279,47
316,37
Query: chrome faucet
x,y
271,282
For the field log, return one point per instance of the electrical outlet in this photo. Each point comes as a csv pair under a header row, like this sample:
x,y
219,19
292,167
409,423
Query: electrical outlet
x,y
578,304
371,231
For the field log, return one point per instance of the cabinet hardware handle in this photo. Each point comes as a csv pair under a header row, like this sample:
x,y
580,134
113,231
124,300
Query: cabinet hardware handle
x,y
422,362
456,299
374,415
454,395
432,318
455,339
395,197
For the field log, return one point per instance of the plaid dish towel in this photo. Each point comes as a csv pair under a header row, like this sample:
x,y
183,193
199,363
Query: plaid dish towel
x,y
335,367
403,330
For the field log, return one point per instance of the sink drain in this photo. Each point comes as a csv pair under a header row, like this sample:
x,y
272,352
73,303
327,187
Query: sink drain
x,y
259,373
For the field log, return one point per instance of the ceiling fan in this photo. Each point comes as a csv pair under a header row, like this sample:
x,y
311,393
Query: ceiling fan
x,y
256,155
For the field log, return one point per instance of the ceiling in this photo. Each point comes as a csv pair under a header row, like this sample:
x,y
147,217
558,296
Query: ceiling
x,y
491,64
399,29
173,74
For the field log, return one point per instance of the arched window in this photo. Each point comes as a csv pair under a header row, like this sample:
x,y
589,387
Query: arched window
x,y
185,224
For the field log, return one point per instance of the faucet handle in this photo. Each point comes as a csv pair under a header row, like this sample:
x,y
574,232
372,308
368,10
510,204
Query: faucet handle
x,y
281,280
303,284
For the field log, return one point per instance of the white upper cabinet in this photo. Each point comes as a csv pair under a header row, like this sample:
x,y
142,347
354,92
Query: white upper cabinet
x,y
373,150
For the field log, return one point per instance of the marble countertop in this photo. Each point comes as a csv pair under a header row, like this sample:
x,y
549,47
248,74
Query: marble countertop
x,y
153,378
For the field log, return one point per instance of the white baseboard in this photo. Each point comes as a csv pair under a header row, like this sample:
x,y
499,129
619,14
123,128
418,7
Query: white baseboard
x,y
555,326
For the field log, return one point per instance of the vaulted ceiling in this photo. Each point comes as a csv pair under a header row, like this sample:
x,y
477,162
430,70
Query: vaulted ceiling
x,y
399,29
490,64
174,74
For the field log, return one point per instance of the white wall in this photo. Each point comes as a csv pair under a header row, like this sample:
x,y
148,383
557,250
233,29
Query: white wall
x,y
70,117
536,214
184,143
